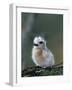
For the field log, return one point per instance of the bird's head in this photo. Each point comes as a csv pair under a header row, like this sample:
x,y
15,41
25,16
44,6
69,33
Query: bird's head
x,y
39,42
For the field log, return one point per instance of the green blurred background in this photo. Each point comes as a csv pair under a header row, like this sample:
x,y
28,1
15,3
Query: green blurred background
x,y
50,26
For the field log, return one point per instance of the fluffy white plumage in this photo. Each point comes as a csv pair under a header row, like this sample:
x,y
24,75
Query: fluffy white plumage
x,y
41,55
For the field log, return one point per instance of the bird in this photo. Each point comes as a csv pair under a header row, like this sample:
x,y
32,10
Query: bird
x,y
41,55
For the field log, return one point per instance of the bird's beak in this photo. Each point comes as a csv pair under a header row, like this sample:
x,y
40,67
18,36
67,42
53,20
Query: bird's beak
x,y
35,44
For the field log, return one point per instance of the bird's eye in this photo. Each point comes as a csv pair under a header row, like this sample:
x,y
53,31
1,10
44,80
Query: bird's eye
x,y
41,42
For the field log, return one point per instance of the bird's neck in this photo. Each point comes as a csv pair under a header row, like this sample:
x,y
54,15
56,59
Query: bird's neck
x,y
43,48
38,51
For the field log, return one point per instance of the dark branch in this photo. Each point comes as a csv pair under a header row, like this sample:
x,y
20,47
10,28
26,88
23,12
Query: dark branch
x,y
40,71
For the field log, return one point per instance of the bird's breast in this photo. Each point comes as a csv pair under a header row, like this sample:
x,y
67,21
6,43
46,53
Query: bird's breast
x,y
39,55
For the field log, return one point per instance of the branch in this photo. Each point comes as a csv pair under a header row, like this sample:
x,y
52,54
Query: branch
x,y
40,71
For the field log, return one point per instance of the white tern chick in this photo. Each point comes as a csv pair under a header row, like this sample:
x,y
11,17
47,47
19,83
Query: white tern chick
x,y
41,55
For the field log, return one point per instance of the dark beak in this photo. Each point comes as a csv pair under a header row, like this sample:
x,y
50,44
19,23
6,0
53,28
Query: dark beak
x,y
35,44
